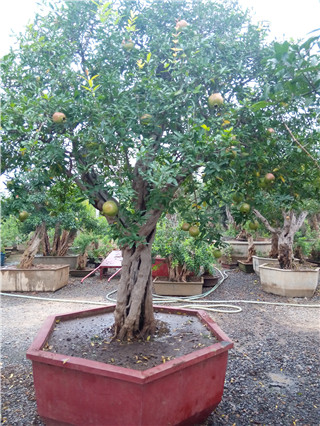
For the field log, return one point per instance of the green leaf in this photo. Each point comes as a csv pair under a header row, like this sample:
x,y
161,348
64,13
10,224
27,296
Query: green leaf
x,y
259,105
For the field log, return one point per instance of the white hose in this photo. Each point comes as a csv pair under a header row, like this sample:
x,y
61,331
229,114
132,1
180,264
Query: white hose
x,y
187,302
209,305
52,300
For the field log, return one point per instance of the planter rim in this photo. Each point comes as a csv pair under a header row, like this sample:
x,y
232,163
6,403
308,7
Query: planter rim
x,y
270,266
160,279
55,257
246,242
35,352
54,267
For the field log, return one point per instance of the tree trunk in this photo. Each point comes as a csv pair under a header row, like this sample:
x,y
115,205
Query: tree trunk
x,y
314,221
32,248
82,260
178,273
56,240
242,236
230,220
134,311
291,225
66,241
274,245
45,243
275,232
251,249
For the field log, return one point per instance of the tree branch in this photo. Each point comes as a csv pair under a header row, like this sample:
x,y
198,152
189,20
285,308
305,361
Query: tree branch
x,y
301,146
264,221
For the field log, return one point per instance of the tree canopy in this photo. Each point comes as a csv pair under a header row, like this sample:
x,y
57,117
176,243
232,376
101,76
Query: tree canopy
x,y
155,97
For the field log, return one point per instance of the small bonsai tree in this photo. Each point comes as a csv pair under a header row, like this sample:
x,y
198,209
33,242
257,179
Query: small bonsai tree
x,y
186,255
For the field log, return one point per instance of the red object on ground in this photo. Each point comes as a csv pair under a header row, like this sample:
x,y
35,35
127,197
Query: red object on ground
x,y
160,268
113,260
76,391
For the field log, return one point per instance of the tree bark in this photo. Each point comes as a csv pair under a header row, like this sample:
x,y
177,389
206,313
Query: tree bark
x,y
242,236
314,221
291,225
230,220
82,260
275,232
274,252
56,240
66,241
32,248
134,311
45,243
251,249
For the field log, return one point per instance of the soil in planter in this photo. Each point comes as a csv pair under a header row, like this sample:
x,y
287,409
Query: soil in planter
x,y
91,338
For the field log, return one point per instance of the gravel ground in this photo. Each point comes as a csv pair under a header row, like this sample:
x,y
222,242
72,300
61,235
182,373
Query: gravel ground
x,y
273,371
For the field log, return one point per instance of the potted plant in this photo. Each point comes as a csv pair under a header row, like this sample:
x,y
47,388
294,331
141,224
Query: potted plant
x,y
82,243
288,277
184,256
79,390
139,136
227,261
247,265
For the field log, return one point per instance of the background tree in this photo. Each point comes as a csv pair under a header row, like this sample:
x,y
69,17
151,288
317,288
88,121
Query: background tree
x,y
276,142
58,208
131,85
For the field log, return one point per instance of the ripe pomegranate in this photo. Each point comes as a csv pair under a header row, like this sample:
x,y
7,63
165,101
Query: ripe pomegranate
x,y
245,208
185,226
23,216
59,117
181,24
194,231
110,208
215,99
217,253
269,178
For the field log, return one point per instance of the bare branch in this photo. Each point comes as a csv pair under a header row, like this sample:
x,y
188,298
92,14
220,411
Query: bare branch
x,y
264,221
302,147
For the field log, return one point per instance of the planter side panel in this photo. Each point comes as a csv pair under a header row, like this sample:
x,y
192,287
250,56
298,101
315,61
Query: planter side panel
x,y
78,398
240,248
289,283
177,289
257,261
34,280
72,261
190,394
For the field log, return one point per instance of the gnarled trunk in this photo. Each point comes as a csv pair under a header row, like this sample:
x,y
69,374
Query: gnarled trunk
x,y
251,249
32,248
45,243
242,236
291,225
62,241
134,311
56,240
82,260
178,273
274,245
66,241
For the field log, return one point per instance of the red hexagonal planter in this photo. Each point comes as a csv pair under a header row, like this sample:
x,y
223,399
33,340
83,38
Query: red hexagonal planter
x,y
83,392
